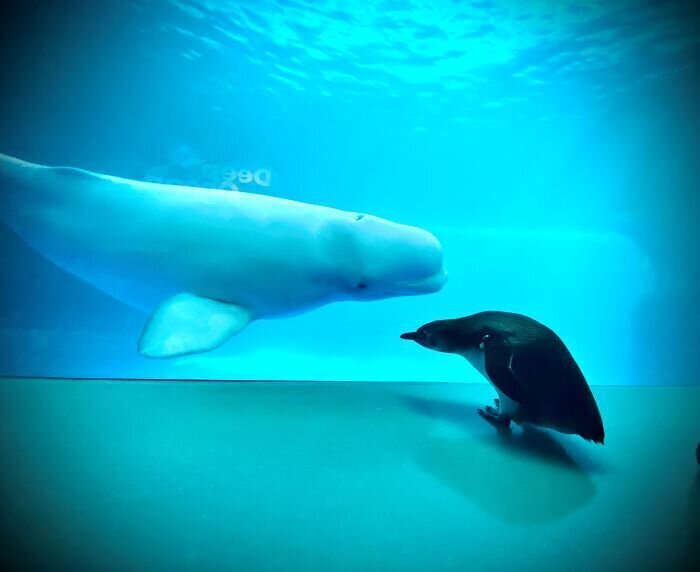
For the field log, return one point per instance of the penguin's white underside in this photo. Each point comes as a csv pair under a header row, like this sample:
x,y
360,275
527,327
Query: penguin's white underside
x,y
477,358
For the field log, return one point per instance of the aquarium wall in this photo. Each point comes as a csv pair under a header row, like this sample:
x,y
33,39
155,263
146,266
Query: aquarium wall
x,y
550,147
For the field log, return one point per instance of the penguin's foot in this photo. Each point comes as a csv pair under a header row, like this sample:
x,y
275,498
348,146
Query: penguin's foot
x,y
491,411
494,417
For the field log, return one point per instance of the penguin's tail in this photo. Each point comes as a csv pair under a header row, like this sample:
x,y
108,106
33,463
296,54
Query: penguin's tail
x,y
593,432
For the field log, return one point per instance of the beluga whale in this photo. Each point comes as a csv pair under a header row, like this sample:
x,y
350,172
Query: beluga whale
x,y
205,263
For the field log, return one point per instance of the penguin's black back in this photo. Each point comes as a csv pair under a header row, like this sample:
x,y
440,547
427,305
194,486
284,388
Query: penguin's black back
x,y
556,393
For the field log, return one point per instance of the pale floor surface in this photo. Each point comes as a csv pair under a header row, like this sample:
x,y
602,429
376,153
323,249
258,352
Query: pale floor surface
x,y
113,475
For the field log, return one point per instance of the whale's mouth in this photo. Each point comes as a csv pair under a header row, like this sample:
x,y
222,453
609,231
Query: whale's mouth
x,y
427,285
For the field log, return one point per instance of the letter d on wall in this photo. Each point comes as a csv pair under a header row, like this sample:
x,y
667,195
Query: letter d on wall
x,y
262,177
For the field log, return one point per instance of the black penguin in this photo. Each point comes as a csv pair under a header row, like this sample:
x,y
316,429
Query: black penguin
x,y
537,379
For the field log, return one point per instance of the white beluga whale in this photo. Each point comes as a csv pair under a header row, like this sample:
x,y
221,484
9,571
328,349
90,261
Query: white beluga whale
x,y
204,263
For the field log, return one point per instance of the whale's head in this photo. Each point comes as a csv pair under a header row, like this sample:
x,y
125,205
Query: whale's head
x,y
377,258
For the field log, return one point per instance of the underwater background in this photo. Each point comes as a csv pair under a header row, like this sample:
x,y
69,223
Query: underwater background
x,y
552,147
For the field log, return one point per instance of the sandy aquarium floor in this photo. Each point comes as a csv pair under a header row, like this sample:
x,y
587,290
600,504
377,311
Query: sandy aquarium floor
x,y
115,475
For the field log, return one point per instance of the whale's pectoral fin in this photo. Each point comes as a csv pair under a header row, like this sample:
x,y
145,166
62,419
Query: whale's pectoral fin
x,y
186,324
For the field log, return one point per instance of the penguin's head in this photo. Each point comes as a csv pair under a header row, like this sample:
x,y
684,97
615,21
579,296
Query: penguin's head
x,y
446,336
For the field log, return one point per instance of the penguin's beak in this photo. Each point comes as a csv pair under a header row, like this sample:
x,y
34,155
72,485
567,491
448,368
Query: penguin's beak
x,y
409,336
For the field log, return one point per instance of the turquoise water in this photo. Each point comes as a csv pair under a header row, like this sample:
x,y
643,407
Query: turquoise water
x,y
550,147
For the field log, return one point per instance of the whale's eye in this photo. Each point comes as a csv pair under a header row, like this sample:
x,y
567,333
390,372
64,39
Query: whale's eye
x,y
359,217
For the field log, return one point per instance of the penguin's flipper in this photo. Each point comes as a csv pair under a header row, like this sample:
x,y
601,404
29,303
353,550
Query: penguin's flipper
x,y
498,358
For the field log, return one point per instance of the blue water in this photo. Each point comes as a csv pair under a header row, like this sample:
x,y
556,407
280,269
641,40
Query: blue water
x,y
551,147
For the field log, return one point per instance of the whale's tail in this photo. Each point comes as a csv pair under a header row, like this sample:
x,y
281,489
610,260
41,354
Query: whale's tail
x,y
13,168
19,176
23,183
15,175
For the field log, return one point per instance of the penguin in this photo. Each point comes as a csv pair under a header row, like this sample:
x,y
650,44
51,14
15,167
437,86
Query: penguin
x,y
537,379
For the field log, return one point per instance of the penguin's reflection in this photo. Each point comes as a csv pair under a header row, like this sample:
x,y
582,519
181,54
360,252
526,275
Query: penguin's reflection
x,y
521,476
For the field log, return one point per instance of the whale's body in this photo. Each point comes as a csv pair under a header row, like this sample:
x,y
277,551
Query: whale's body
x,y
206,262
